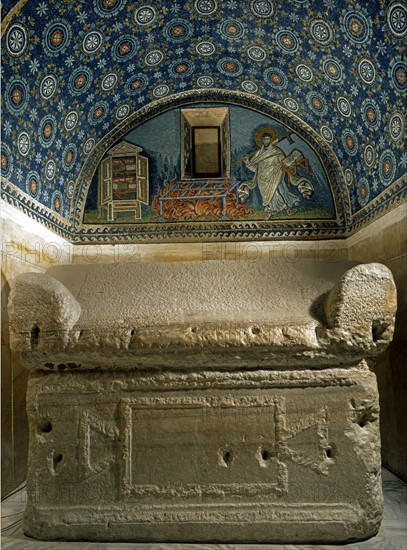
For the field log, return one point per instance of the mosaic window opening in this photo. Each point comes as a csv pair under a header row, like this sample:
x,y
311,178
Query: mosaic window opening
x,y
205,143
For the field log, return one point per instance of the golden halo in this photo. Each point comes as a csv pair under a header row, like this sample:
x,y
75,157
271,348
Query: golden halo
x,y
265,130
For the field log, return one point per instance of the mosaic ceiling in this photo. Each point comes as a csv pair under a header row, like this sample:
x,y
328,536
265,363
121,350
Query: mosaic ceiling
x,y
76,71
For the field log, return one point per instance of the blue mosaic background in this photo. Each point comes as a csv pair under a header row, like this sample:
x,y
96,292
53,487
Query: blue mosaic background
x,y
73,71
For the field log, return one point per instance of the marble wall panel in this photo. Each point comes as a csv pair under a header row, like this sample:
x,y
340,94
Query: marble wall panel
x,y
26,247
385,241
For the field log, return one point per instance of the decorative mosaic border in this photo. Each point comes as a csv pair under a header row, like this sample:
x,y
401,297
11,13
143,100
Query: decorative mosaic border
x,y
390,198
35,210
13,12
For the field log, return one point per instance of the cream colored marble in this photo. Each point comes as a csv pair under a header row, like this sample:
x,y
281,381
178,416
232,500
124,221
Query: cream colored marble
x,y
176,252
26,247
28,242
385,241
373,240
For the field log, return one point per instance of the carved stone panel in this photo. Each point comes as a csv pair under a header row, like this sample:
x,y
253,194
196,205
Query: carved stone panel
x,y
203,446
250,456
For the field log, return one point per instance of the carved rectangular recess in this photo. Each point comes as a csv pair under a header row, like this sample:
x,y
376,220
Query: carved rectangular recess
x,y
200,445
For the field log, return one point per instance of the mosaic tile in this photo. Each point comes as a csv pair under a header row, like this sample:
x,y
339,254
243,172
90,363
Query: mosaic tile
x,y
71,81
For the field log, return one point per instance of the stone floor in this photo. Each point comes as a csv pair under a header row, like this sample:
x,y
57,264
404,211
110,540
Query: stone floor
x,y
392,534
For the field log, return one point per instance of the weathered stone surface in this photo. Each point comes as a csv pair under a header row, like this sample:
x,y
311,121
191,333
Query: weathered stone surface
x,y
231,314
241,456
42,312
364,300
256,421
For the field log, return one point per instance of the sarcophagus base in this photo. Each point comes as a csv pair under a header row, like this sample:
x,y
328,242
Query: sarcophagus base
x,y
244,456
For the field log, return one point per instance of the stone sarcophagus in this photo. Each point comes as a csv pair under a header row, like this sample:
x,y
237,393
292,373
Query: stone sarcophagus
x,y
203,401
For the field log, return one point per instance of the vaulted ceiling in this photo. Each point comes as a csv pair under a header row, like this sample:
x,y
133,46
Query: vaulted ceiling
x,y
76,71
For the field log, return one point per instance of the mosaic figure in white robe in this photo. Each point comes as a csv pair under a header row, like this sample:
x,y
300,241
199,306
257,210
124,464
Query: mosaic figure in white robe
x,y
267,164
